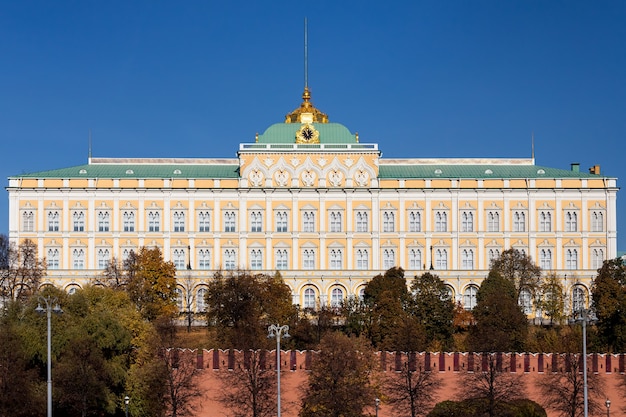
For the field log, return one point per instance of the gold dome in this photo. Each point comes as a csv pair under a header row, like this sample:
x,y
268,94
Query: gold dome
x,y
306,113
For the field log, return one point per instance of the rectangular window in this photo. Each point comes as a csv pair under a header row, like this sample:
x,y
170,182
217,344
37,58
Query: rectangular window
x,y
361,221
256,259
229,221
281,221
571,259
179,221
78,221
204,221
103,258
335,221
308,221
415,221
78,259
154,221
441,221
179,258
336,259
467,221
128,221
546,259
597,221
104,221
467,259
388,221
28,221
53,258
362,259
256,222
204,259
229,259
53,221
415,259
597,258
308,259
389,258
441,259
493,221
519,221
545,221
571,221
281,259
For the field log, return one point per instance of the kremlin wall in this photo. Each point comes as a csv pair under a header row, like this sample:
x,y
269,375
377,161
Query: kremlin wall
x,y
451,368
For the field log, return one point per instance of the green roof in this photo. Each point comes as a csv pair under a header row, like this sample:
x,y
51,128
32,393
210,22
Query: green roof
x,y
286,133
140,171
476,171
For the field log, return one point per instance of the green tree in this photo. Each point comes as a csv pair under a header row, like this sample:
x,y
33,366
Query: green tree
x,y
501,326
240,306
518,268
434,309
609,302
339,383
552,302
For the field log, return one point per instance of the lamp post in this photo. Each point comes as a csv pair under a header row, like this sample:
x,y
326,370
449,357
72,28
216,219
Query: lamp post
x,y
126,402
377,401
278,331
431,257
52,306
608,406
585,316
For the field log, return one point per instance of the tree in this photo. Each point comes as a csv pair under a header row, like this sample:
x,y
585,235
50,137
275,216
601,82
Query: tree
x,y
518,268
434,309
339,382
19,394
181,385
249,390
493,384
501,326
387,297
563,388
609,302
411,392
21,270
151,283
552,302
241,306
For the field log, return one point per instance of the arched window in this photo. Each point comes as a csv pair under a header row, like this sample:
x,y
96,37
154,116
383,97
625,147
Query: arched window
x,y
335,221
180,301
229,221
336,259
308,221
525,301
578,299
78,221
309,298
200,298
281,221
179,258
128,221
28,221
571,221
154,221
256,222
53,221
441,221
103,258
336,297
597,221
229,259
388,221
103,221
493,255
361,293
281,259
78,259
493,221
469,297
53,258
545,221
204,221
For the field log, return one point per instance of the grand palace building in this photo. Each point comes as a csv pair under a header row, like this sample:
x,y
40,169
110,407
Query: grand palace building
x,y
310,200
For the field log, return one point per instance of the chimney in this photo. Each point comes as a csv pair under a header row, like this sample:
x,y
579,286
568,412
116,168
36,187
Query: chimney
x,y
595,170
575,166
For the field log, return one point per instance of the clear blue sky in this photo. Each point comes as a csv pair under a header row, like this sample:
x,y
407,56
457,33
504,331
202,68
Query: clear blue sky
x,y
422,79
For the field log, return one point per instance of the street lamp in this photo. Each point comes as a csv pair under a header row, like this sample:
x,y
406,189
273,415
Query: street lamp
x,y
585,316
608,406
52,306
126,401
431,257
278,331
377,401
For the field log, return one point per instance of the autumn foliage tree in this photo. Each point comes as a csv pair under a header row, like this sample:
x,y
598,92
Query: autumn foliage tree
x,y
339,383
21,270
609,302
434,309
518,268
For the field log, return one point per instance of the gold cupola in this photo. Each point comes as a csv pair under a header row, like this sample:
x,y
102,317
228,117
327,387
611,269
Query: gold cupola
x,y
306,113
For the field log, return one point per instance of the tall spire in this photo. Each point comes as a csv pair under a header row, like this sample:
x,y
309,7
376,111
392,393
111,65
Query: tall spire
x,y
532,145
306,113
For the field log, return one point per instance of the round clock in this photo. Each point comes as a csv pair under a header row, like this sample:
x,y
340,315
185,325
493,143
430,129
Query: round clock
x,y
307,134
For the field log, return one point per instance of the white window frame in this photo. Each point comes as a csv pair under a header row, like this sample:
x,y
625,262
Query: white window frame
x,y
308,259
53,258
335,219
519,221
336,297
389,221
104,256
545,221
256,221
282,221
200,296
597,258
579,296
230,259
179,221
441,259
469,297
441,221
308,221
104,220
415,259
415,221
204,221
571,221
282,259
362,221
128,220
204,258
28,221
493,221
78,258
525,301
179,258
597,221
53,221
335,258
309,298
571,259
389,258
78,220
154,220
362,259
467,259
230,224
545,259
467,221
256,259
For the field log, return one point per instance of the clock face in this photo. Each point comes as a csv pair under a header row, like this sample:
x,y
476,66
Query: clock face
x,y
307,134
